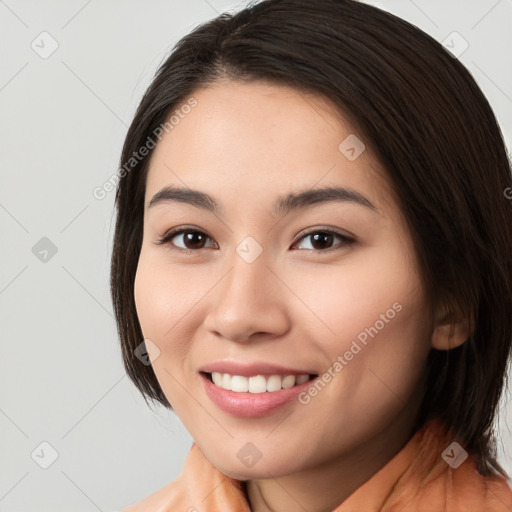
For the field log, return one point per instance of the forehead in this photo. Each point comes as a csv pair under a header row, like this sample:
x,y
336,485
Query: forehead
x,y
257,140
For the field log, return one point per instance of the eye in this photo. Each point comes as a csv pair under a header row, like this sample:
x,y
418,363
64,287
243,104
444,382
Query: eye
x,y
321,238
192,238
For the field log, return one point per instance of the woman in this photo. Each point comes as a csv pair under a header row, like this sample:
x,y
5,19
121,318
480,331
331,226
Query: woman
x,y
314,247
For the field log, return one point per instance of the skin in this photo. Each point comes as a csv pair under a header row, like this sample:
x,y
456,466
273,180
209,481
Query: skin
x,y
301,307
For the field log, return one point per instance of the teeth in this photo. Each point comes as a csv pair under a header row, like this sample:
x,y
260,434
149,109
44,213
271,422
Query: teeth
x,y
274,383
239,384
301,379
226,381
258,383
288,381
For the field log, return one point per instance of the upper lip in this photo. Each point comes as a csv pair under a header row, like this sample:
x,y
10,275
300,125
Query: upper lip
x,y
252,369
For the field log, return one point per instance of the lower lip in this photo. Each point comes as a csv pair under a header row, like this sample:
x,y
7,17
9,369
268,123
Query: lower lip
x,y
251,405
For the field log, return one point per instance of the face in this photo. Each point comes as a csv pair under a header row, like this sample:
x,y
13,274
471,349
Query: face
x,y
309,314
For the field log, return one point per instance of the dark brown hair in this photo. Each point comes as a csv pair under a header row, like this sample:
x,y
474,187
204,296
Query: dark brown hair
x,y
432,130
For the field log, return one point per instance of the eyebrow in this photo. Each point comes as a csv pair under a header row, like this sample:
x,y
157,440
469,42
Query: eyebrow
x,y
283,204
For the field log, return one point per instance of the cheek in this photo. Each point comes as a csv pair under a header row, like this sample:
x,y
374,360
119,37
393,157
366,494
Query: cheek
x,y
167,299
151,301
162,299
159,300
344,300
374,312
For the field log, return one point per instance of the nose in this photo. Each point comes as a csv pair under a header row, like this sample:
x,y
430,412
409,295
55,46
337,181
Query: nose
x,y
249,303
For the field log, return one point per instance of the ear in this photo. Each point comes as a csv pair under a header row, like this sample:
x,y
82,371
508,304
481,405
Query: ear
x,y
450,329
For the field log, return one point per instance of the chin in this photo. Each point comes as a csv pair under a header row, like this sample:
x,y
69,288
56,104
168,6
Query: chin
x,y
261,469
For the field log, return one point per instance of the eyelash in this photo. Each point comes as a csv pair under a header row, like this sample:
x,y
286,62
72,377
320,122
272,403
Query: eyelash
x,y
167,237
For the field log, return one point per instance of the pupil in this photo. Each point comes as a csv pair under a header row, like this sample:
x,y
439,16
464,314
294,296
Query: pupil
x,y
189,237
324,236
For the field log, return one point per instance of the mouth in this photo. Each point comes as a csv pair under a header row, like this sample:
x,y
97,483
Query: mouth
x,y
261,391
257,384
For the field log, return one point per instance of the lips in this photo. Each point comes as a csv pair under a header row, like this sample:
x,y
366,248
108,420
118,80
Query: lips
x,y
253,390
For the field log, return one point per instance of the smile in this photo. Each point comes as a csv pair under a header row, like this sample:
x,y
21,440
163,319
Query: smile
x,y
257,383
255,394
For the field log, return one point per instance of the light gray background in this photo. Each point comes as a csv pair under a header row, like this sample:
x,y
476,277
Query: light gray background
x,y
63,120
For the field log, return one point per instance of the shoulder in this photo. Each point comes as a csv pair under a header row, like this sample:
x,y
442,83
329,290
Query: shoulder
x,y
173,496
453,481
439,475
200,488
465,488
168,499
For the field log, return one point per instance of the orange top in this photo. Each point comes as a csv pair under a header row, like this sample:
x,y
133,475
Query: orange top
x,y
425,476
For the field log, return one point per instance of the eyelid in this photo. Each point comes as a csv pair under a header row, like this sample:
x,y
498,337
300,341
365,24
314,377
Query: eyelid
x,y
324,229
171,233
168,235
346,239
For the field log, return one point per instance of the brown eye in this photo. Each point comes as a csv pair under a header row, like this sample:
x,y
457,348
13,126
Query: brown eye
x,y
191,239
322,240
